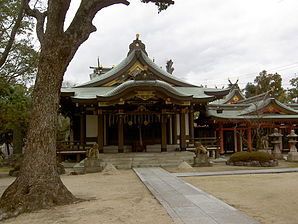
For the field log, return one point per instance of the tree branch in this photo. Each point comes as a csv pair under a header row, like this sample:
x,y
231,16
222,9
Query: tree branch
x,y
12,34
40,18
81,25
56,16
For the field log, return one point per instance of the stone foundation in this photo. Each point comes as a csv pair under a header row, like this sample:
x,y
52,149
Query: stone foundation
x,y
271,163
277,155
293,156
202,160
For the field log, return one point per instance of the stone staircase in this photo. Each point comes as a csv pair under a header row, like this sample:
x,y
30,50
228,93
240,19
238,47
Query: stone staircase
x,y
145,159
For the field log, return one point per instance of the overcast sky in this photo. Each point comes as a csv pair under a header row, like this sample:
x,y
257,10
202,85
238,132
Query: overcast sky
x,y
208,40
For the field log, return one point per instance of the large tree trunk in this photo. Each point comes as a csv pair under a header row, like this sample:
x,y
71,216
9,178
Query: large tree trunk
x,y
39,185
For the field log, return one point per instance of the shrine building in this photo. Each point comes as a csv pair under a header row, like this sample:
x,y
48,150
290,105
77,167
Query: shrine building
x,y
136,106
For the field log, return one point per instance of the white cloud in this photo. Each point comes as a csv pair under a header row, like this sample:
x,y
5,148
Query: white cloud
x,y
207,39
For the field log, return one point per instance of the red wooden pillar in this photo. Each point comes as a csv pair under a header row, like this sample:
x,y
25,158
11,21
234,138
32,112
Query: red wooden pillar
x,y
249,142
238,141
221,138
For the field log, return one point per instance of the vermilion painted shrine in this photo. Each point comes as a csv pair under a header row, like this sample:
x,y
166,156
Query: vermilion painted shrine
x,y
138,106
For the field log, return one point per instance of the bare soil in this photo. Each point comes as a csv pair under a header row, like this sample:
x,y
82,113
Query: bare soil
x,y
112,199
122,198
269,198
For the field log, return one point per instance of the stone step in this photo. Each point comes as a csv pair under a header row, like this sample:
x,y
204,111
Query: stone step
x,y
129,160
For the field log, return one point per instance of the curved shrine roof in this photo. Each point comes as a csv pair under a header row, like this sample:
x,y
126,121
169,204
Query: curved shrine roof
x,y
138,70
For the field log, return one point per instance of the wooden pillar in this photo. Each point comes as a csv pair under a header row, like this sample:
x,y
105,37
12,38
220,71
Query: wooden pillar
x,y
169,131
100,130
249,142
238,141
174,121
105,117
83,129
182,130
120,134
191,126
221,138
78,157
163,132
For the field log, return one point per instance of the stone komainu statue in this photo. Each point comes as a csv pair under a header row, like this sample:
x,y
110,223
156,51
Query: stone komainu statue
x,y
200,149
93,152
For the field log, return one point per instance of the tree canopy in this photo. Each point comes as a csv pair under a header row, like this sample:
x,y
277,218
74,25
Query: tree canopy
x,y
14,114
18,67
18,56
293,92
265,82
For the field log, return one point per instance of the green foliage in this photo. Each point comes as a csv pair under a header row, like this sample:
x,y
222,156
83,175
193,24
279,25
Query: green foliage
x,y
21,62
293,92
266,82
15,102
250,90
251,156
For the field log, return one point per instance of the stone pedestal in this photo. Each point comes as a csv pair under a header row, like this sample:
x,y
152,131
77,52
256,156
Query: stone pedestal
x,y
79,168
277,155
88,165
292,141
277,144
92,165
293,156
202,160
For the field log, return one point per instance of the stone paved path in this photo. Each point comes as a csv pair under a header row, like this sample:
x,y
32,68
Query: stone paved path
x,y
187,204
236,172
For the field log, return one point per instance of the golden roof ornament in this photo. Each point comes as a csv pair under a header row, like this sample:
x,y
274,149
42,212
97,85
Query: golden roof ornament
x,y
137,36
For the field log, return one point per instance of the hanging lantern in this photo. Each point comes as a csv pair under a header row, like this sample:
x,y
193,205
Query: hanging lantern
x,y
146,122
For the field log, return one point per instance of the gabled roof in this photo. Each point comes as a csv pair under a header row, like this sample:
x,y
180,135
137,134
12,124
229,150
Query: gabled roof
x,y
269,106
196,94
268,109
234,96
256,98
136,55
137,70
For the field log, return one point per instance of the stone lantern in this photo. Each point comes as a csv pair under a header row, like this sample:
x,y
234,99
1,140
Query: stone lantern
x,y
276,141
293,154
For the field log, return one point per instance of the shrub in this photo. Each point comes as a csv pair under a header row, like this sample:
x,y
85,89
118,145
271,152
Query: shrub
x,y
251,156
